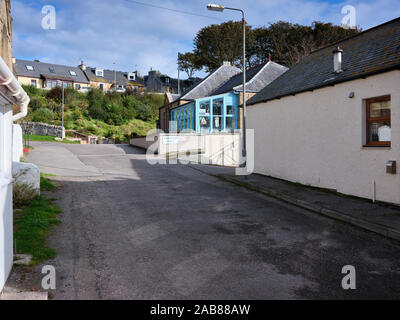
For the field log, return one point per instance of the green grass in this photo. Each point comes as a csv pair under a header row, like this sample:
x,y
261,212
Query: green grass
x,y
31,228
35,137
46,184
33,224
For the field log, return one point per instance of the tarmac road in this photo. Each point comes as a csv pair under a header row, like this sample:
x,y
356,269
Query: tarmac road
x,y
131,230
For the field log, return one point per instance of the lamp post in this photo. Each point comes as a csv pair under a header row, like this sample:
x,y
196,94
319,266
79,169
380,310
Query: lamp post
x,y
220,8
62,107
115,77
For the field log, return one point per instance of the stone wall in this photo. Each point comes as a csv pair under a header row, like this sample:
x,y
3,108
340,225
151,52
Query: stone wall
x,y
42,129
6,32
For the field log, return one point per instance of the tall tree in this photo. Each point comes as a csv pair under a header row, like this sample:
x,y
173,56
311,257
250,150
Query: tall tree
x,y
286,42
217,43
187,62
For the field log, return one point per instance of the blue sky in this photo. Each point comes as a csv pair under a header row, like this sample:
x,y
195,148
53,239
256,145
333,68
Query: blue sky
x,y
133,36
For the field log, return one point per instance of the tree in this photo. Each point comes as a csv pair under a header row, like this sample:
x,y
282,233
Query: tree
x,y
223,42
287,43
187,63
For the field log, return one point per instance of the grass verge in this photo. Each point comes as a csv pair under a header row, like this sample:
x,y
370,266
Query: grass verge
x,y
32,225
46,184
35,137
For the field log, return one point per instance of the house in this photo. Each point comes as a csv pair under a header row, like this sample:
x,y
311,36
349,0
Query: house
x,y
105,79
11,94
219,110
333,119
199,90
158,83
48,75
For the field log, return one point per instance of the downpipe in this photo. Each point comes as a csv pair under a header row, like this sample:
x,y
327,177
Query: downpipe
x,y
8,80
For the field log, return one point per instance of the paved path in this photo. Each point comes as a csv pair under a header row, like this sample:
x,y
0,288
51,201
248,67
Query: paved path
x,y
135,231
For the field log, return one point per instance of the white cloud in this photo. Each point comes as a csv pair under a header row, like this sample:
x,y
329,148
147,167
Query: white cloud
x,y
102,32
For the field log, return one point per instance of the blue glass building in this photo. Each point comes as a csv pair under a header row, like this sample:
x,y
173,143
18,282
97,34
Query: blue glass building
x,y
206,115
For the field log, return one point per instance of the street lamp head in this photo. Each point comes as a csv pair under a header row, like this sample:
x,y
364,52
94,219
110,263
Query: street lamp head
x,y
215,7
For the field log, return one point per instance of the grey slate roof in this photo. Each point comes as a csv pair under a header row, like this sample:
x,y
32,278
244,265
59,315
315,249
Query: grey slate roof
x,y
205,87
110,75
42,69
257,78
373,51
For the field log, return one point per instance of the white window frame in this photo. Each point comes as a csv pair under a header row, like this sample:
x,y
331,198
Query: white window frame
x,y
99,73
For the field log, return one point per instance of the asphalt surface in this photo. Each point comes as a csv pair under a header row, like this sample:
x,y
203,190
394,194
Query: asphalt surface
x,y
131,230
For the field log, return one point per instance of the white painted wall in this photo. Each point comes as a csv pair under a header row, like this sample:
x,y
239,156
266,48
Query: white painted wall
x,y
316,138
17,147
6,214
217,149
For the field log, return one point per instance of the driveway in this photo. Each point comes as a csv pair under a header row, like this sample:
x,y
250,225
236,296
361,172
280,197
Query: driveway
x,y
131,230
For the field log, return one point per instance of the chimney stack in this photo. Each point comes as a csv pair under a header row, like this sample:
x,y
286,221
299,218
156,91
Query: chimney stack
x,y
226,63
337,60
82,66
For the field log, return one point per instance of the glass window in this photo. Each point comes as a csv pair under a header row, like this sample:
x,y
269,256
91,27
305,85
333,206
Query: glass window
x,y
33,83
52,70
230,123
204,108
229,110
378,121
30,68
204,124
217,107
72,73
217,114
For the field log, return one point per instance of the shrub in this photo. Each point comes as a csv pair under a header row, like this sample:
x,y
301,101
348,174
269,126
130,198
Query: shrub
x,y
43,115
55,94
31,91
37,102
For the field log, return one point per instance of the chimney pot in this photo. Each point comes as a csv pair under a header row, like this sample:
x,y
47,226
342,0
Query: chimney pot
x,y
226,63
337,60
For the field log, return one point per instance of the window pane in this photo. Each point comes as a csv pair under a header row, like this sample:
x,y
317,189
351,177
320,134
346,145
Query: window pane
x,y
217,107
230,123
217,124
380,132
379,109
229,109
204,123
204,108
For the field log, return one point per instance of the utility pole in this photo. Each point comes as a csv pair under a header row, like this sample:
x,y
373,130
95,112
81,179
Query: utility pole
x,y
62,112
179,83
115,77
220,8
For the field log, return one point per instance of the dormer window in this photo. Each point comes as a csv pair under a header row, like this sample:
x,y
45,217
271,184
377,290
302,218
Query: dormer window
x,y
30,68
52,70
132,76
72,73
99,73
166,80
